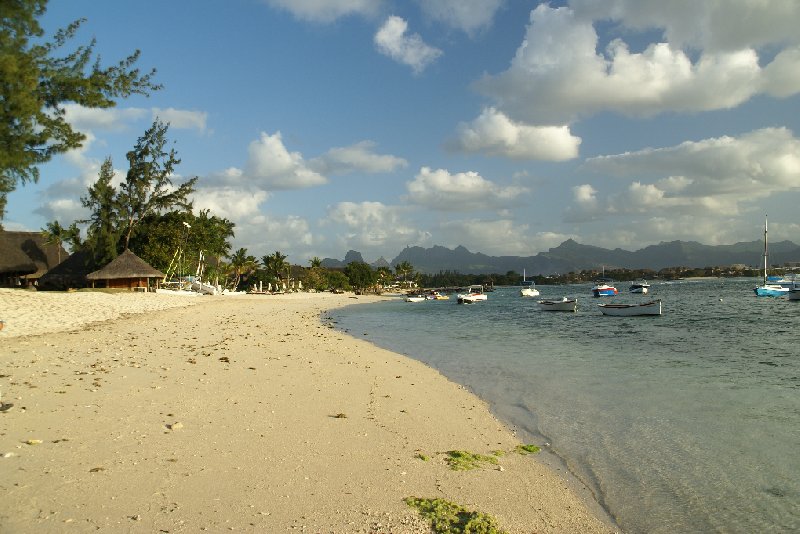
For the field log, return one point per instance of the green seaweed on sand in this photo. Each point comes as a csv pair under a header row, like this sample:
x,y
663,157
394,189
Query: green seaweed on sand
x,y
423,457
449,518
464,460
527,449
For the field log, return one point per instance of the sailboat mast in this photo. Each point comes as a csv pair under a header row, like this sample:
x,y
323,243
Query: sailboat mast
x,y
765,250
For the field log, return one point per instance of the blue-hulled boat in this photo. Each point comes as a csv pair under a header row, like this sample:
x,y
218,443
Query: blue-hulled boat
x,y
769,290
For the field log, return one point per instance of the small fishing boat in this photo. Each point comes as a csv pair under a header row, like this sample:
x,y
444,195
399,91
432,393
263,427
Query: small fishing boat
x,y
435,295
415,298
769,290
602,289
565,304
641,288
629,310
529,291
473,294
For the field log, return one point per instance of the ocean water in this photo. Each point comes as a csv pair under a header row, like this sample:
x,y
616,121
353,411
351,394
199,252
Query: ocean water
x,y
684,422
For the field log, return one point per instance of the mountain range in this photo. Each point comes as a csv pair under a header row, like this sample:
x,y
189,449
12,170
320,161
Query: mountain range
x,y
572,256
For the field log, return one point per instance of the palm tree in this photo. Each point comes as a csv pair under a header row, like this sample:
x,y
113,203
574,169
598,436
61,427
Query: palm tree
x,y
242,265
55,234
404,269
315,262
275,264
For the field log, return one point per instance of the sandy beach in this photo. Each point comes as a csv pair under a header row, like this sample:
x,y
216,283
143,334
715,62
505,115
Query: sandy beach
x,y
152,413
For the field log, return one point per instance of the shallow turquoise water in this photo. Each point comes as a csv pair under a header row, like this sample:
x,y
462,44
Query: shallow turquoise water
x,y
687,422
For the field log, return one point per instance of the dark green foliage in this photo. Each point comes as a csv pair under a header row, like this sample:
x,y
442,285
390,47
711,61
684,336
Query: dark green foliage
x,y
158,237
360,275
450,518
102,234
35,83
148,188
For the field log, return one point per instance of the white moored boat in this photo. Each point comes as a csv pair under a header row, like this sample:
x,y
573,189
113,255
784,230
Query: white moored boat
x,y
565,304
473,294
529,291
415,298
629,310
641,287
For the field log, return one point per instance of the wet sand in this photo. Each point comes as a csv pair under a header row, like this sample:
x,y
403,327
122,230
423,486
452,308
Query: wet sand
x,y
148,413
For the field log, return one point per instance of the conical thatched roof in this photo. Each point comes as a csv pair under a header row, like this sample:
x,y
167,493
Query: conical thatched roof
x,y
126,265
13,259
69,273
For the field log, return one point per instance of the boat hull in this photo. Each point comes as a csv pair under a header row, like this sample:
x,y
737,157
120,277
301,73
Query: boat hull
x,y
771,291
604,291
563,305
529,292
631,310
471,299
794,294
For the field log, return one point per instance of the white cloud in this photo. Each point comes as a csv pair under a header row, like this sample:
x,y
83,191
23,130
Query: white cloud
x,y
326,11
110,119
497,237
392,40
230,203
493,133
708,25
271,166
466,15
117,119
262,234
182,119
465,191
557,74
369,226
716,176
359,157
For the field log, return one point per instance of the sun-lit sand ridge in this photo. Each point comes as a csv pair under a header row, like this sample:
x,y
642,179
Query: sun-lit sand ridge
x,y
240,413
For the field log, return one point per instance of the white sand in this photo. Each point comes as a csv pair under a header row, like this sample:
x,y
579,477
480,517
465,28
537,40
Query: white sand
x,y
221,414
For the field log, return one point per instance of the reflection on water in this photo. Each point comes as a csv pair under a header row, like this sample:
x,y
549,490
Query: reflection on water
x,y
687,422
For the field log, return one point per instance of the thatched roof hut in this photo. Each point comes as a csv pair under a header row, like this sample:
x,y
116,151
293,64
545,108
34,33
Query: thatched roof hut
x,y
126,271
25,256
70,273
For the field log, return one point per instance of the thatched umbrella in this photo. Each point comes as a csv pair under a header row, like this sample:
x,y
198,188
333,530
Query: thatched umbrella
x,y
14,263
126,271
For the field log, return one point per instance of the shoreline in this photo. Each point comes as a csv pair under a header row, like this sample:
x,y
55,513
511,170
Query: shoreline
x,y
246,413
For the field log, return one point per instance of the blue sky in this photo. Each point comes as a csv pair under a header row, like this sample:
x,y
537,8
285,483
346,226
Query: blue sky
x,y
506,126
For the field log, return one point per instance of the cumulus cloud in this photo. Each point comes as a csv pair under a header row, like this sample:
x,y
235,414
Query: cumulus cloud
x,y
409,49
262,234
493,133
710,25
497,237
271,166
359,157
464,191
230,203
466,15
326,11
372,225
558,75
712,176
